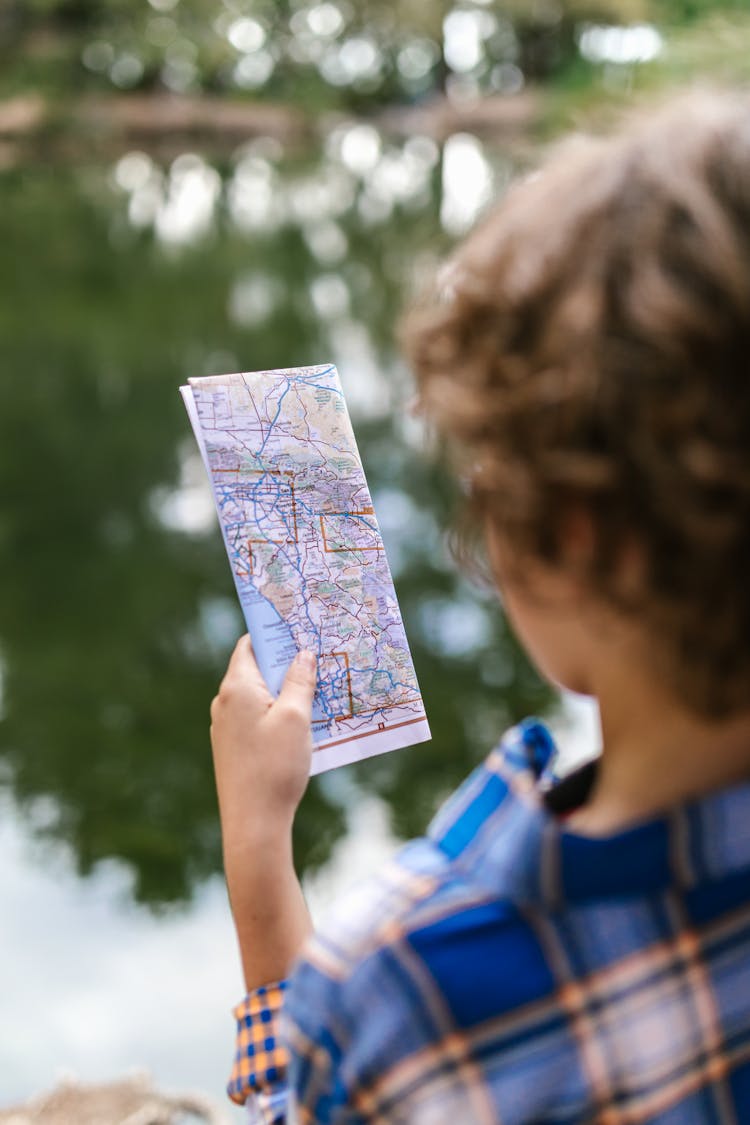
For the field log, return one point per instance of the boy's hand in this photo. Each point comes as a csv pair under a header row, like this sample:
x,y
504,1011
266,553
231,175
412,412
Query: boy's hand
x,y
262,746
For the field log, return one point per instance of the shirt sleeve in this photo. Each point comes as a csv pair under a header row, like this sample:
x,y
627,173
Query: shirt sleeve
x,y
258,1077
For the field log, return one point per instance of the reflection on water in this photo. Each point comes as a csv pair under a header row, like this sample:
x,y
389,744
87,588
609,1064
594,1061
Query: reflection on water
x,y
99,987
117,610
112,987
355,171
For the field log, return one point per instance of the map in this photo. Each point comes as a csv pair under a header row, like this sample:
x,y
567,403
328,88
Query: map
x,y
306,553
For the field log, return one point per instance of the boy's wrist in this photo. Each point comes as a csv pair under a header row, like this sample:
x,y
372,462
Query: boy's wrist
x,y
258,853
268,908
250,826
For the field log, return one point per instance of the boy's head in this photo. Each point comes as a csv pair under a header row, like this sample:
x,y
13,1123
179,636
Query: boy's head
x,y
588,350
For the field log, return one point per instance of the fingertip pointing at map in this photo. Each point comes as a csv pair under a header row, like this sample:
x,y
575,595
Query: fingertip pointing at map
x,y
307,661
299,682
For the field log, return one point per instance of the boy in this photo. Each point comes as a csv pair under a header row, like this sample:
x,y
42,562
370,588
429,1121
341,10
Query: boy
x,y
579,951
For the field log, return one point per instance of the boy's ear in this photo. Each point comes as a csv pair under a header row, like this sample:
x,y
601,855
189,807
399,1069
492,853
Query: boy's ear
x,y
632,570
581,550
577,539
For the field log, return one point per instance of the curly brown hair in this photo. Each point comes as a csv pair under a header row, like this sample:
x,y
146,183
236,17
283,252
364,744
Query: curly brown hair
x,y
588,348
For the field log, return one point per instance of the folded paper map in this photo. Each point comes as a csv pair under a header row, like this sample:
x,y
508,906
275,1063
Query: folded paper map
x,y
306,553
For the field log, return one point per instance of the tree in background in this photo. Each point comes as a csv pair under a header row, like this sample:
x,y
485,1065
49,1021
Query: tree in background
x,y
319,53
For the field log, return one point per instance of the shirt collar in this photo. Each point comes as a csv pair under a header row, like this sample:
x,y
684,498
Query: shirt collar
x,y
500,826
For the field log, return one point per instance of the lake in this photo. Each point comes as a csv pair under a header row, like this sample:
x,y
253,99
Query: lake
x,y
117,611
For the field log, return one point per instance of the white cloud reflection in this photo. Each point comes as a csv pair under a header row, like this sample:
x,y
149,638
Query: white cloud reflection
x,y
187,210
327,242
180,204
367,388
357,61
253,298
453,627
464,35
254,70
416,59
330,296
328,193
133,171
189,506
253,195
639,43
126,70
358,147
326,20
246,34
98,55
105,989
467,182
358,170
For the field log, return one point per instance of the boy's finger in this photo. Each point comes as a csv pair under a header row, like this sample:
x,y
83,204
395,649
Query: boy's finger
x,y
299,683
242,663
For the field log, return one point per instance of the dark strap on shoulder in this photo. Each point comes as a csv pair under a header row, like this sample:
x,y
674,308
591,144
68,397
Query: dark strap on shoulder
x,y
572,791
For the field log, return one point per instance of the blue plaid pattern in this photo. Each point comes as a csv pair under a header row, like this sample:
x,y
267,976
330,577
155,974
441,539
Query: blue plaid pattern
x,y
505,970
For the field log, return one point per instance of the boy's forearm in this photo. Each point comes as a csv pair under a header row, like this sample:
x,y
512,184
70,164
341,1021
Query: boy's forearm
x,y
270,914
262,750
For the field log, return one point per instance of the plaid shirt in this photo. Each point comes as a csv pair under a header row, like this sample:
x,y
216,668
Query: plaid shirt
x,y
506,970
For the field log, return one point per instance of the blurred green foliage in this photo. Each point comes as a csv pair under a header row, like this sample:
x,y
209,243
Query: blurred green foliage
x,y
320,53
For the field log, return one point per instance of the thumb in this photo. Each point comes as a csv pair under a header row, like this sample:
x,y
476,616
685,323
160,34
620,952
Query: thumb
x,y
299,683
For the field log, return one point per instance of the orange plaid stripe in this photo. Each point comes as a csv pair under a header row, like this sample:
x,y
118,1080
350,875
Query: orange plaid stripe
x,y
260,1059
